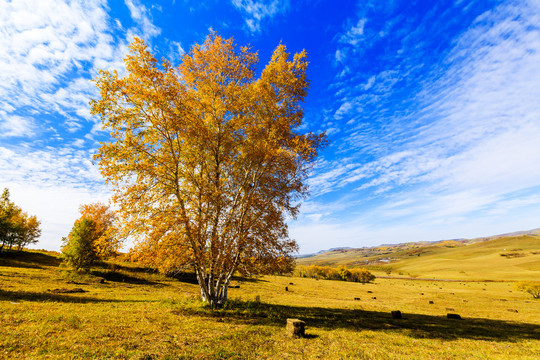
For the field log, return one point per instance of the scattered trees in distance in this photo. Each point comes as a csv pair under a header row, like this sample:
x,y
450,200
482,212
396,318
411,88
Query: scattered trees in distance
x,y
93,237
17,228
207,161
360,275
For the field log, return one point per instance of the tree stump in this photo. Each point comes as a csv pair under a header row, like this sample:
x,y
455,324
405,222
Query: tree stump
x,y
397,315
295,328
286,288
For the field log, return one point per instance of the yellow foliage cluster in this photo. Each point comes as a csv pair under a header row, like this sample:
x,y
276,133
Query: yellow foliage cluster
x,y
106,242
206,161
361,275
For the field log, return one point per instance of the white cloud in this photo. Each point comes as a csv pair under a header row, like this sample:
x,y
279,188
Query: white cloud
x,y
341,55
140,14
354,33
256,11
480,117
15,126
46,42
53,49
175,52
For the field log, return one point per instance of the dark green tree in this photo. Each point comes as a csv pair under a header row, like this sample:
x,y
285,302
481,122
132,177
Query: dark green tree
x,y
78,250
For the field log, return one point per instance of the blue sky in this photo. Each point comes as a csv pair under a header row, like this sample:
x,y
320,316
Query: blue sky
x,y
432,108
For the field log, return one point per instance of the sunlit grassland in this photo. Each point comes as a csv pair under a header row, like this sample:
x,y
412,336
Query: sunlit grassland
x,y
141,315
476,261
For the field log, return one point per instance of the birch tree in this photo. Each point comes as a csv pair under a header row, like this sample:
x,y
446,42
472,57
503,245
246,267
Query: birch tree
x,y
207,160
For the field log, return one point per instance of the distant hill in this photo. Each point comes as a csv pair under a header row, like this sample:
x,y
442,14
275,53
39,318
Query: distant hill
x,y
506,256
517,233
322,252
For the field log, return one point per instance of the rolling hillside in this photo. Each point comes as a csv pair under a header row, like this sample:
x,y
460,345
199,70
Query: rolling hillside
x,y
502,257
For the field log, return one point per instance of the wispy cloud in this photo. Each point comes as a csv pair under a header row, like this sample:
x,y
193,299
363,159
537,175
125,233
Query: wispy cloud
x,y
45,43
140,14
52,49
175,52
256,11
15,126
354,33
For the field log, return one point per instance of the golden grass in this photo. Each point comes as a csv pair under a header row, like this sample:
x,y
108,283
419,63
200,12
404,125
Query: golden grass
x,y
476,261
140,315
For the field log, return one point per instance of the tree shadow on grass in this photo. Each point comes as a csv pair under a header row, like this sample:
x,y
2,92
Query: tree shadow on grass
x,y
122,277
249,279
412,325
27,259
15,296
133,269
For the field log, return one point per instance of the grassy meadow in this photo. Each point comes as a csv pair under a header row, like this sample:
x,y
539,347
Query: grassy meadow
x,y
135,314
507,258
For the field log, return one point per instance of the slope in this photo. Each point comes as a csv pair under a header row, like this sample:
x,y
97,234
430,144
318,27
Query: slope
x,y
498,258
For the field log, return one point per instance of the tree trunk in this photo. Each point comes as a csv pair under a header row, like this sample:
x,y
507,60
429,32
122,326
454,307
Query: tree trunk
x,y
212,292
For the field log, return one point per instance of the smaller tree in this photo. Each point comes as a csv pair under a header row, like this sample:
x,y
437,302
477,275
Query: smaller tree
x,y
28,231
17,228
106,240
92,238
78,250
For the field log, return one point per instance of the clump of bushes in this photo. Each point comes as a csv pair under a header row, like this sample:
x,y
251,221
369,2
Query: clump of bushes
x,y
360,275
511,255
531,287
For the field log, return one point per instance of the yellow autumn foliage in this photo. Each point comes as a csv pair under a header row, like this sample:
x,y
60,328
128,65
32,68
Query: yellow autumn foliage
x,y
207,161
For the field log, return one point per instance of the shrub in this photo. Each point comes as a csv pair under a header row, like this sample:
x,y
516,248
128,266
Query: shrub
x,y
511,255
344,273
362,276
531,287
